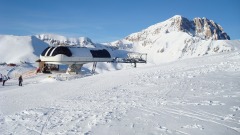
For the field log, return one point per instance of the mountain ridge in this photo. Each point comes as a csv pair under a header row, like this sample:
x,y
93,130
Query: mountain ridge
x,y
194,27
170,40
55,40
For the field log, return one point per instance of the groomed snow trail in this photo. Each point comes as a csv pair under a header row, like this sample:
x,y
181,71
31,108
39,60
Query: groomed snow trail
x,y
193,96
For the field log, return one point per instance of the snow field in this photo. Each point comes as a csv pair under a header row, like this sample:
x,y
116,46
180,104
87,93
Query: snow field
x,y
193,96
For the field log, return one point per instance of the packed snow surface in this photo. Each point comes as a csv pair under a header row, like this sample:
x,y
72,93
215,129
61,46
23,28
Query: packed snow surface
x,y
194,96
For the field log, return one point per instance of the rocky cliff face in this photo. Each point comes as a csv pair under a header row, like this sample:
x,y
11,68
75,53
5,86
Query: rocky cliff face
x,y
209,29
200,27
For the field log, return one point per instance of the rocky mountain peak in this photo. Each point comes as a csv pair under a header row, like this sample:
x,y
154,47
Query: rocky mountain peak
x,y
198,27
182,23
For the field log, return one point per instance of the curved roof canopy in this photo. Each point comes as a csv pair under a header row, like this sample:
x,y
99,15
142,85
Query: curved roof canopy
x,y
76,52
53,51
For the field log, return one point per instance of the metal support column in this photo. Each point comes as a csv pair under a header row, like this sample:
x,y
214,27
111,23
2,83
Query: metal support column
x,y
94,67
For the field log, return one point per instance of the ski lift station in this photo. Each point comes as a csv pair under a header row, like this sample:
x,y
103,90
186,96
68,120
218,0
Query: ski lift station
x,y
75,57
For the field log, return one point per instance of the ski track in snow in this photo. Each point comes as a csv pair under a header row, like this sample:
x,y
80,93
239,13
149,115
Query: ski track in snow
x,y
192,96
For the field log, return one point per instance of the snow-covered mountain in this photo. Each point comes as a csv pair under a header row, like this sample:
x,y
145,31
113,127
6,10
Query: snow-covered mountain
x,y
198,27
178,38
170,40
55,40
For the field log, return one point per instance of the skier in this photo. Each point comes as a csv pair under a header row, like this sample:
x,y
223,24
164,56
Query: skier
x,y
20,80
4,79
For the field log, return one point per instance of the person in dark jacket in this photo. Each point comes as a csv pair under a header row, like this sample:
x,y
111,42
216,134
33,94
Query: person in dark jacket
x,y
20,80
4,79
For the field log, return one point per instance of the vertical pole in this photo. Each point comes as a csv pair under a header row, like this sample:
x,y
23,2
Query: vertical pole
x,y
146,57
94,67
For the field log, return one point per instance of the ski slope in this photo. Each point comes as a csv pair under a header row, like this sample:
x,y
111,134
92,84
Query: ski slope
x,y
197,96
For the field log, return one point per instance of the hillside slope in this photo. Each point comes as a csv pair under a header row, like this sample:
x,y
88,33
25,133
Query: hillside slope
x,y
15,49
193,96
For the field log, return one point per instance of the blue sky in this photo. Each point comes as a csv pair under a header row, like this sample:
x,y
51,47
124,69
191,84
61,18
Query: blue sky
x,y
109,20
